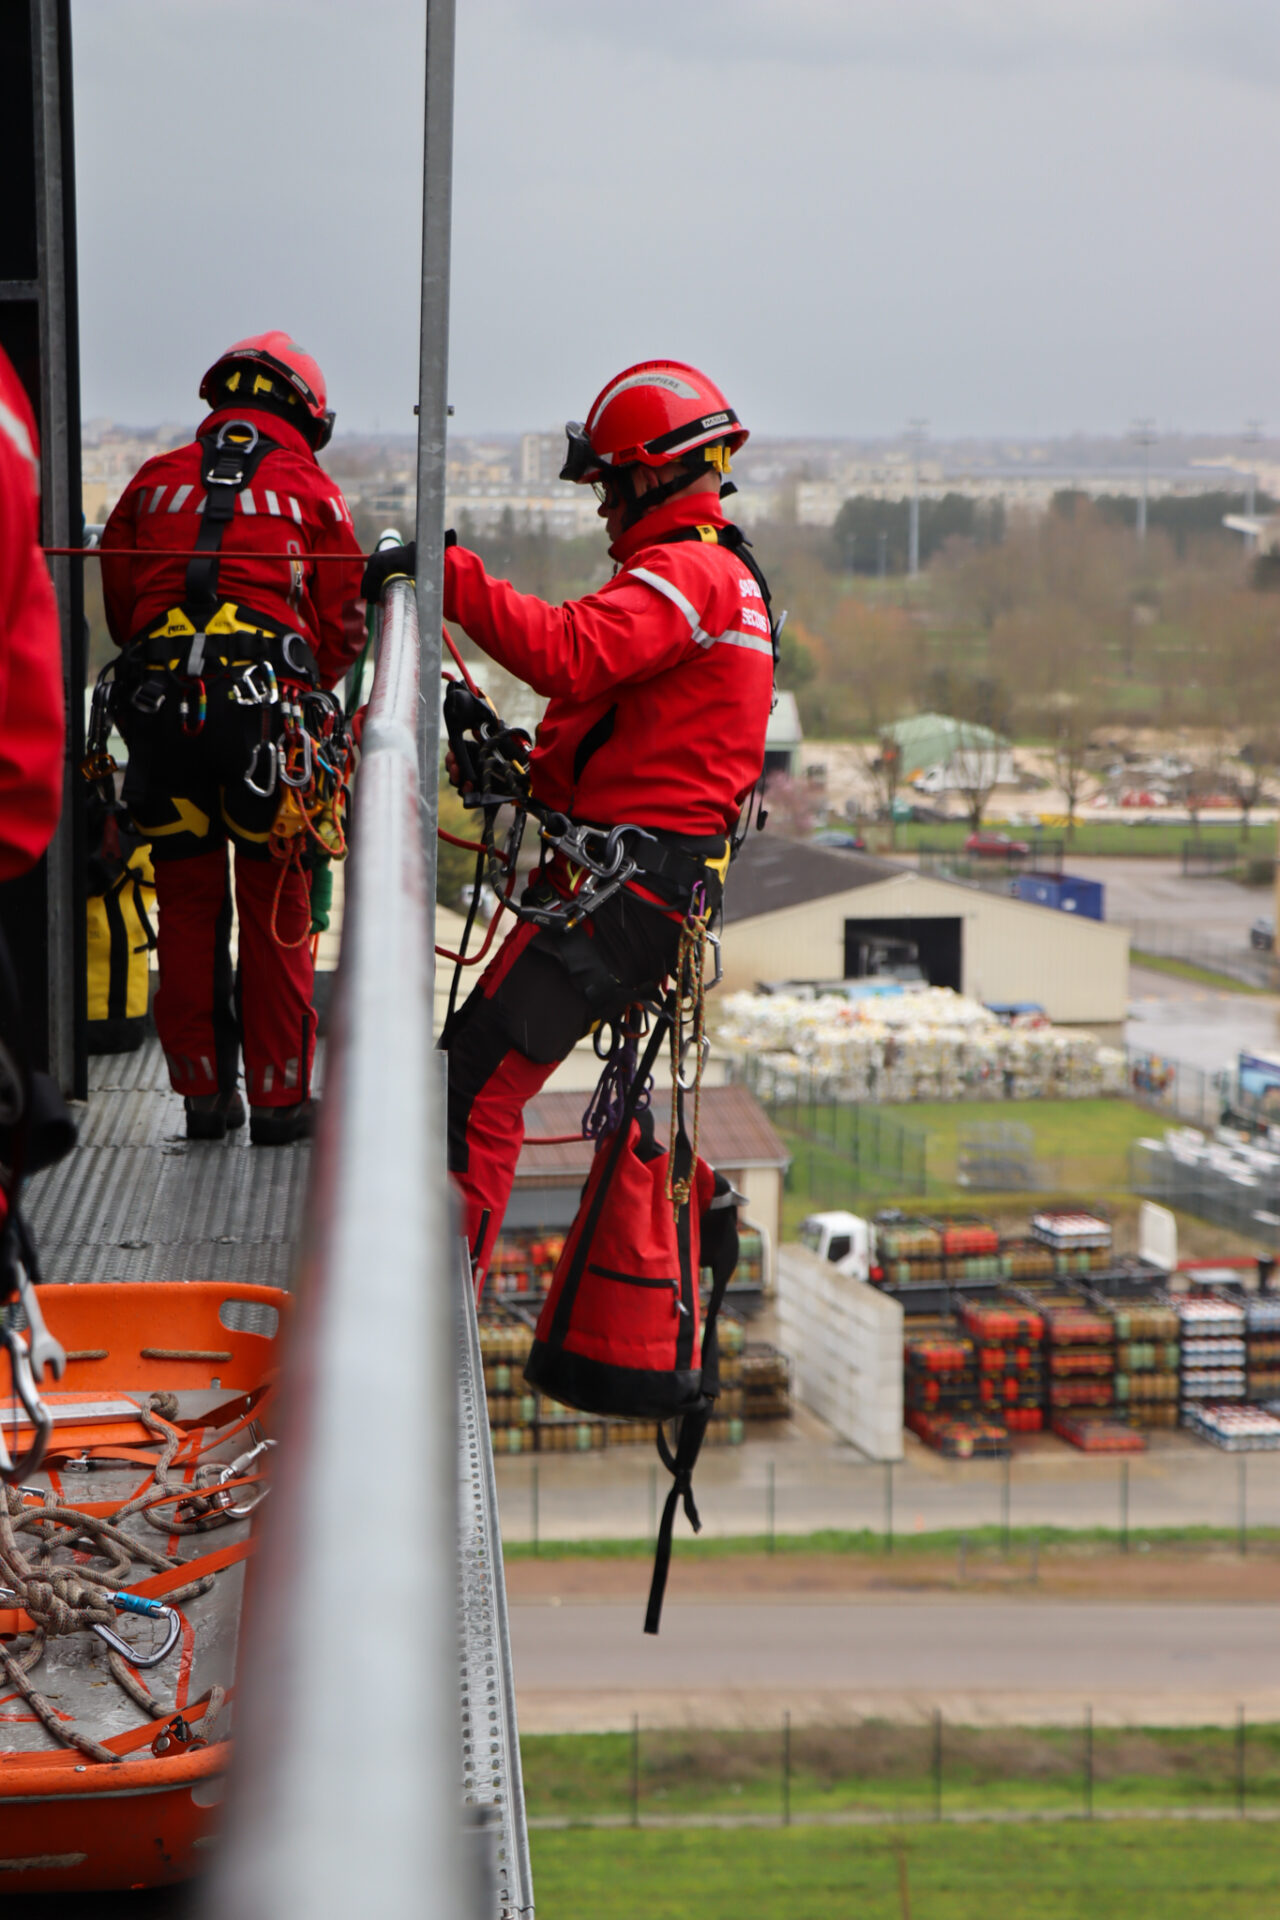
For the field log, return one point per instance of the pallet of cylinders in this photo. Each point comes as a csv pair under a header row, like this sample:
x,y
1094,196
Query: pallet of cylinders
x,y
1262,1347
1213,1352
1008,1341
1148,1361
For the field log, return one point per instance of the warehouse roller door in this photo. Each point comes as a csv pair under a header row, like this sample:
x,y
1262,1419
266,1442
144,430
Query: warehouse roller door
x,y
939,941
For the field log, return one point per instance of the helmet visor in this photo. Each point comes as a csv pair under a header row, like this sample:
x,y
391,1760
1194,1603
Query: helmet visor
x,y
581,462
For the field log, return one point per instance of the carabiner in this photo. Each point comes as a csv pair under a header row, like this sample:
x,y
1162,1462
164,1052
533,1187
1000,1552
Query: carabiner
x,y
26,1390
704,1049
283,757
184,708
235,1470
264,792
124,1602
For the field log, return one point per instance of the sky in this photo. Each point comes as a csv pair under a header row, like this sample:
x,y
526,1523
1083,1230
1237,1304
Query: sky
x,y
1008,217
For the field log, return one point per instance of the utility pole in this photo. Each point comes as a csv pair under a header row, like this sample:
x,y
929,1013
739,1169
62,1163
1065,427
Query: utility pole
x,y
1252,435
1144,432
916,430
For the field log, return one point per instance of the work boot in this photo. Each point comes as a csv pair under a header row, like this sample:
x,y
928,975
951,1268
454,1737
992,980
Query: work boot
x,y
212,1116
281,1126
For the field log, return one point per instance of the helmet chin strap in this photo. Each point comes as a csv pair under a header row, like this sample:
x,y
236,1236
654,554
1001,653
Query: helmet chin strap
x,y
636,505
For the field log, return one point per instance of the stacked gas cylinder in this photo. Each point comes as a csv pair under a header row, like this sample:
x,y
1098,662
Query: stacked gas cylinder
x,y
1212,1333
755,1382
1148,1355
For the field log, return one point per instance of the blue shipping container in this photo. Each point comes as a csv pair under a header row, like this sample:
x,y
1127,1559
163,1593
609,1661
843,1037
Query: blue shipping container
x,y
1065,891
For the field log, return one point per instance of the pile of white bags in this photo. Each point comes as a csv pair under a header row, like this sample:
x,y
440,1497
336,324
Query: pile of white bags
x,y
929,1045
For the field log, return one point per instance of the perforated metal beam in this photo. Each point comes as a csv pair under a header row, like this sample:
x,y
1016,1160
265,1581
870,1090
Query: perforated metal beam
x,y
492,1783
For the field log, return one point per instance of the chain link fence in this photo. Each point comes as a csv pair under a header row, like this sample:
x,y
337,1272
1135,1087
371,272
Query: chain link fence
x,y
841,1148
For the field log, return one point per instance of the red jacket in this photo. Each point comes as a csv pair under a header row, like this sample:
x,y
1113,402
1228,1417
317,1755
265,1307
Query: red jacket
x,y
659,684
32,713
291,506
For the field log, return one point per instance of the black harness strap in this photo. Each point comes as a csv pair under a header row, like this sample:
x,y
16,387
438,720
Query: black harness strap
x,y
227,466
739,546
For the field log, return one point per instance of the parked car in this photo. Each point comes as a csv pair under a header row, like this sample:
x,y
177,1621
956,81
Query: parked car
x,y
994,846
1262,934
843,839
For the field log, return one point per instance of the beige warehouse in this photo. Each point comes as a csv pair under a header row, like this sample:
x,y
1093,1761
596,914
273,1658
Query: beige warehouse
x,y
794,912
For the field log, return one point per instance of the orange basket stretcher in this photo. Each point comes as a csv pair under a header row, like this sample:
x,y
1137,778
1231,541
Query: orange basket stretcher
x,y
166,1408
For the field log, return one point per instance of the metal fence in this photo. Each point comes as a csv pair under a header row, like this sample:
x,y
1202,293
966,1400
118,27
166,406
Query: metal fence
x,y
842,1148
1239,1199
872,1770
1252,966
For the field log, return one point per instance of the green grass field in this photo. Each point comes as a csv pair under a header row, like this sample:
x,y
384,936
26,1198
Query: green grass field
x,y
885,1769
1106,1871
1160,838
1185,970
1081,1147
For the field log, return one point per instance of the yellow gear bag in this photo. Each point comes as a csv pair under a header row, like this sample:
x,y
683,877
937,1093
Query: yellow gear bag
x,y
120,939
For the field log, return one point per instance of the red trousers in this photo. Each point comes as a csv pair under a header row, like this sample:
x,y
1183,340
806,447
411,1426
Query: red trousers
x,y
196,1005
539,995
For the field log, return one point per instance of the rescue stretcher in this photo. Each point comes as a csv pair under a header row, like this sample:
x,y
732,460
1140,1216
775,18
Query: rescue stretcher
x,y
165,1410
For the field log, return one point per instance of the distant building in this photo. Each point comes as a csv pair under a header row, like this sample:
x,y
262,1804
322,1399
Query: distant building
x,y
785,737
941,755
541,458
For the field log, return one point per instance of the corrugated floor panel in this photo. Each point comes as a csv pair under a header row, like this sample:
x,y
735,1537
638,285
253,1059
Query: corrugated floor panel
x,y
138,1201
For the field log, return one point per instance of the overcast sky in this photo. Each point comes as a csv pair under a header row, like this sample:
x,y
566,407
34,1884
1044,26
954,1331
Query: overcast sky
x,y
1009,216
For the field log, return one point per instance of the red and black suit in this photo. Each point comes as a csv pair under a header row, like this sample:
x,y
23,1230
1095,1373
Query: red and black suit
x,y
198,634
659,688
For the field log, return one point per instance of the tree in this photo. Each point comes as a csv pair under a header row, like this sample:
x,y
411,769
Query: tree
x,y
976,761
1258,759
882,759
1070,724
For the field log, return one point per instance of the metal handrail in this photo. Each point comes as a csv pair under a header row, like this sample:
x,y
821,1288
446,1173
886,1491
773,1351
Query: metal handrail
x,y
346,1779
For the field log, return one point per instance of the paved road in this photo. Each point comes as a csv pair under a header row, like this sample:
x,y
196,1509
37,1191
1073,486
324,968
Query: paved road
x,y
1183,1021
1156,890
579,1664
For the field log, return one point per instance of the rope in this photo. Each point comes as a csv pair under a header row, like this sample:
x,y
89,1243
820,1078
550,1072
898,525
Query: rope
x,y
63,1598
687,1029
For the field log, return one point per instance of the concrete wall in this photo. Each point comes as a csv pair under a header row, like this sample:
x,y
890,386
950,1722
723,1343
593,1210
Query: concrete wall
x,y
844,1339
1078,970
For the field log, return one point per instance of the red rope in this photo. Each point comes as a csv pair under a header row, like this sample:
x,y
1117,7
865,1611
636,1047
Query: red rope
x,y
187,553
461,664
474,959
472,846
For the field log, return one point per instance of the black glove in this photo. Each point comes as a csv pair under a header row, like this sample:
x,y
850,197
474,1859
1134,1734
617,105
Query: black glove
x,y
389,563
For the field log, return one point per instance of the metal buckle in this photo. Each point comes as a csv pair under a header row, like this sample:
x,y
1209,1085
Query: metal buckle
x,y
147,697
301,667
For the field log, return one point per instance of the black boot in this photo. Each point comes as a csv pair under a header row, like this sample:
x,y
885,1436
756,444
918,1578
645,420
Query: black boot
x,y
281,1126
211,1116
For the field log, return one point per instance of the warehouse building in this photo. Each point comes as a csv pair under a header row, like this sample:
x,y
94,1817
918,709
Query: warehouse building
x,y
794,911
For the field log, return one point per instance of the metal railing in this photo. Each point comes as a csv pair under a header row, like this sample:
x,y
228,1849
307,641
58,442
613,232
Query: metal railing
x,y
347,1768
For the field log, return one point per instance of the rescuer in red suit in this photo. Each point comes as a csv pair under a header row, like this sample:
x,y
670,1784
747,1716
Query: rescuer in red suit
x,y
659,688
32,714
212,644
32,737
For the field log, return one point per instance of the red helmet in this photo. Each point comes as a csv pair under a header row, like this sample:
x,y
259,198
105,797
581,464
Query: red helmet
x,y
651,415
276,354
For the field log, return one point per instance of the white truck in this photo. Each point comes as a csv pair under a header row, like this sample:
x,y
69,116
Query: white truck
x,y
845,1239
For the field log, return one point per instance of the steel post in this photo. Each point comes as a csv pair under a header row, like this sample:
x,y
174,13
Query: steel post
x,y
433,406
